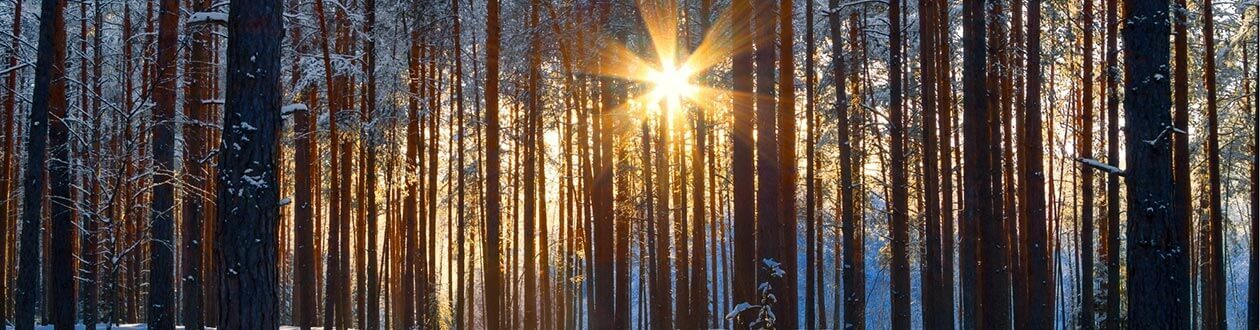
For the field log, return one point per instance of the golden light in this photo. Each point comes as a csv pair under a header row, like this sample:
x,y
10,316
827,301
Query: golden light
x,y
674,74
671,85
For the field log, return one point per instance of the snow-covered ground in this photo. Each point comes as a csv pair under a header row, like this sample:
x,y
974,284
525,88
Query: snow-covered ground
x,y
134,326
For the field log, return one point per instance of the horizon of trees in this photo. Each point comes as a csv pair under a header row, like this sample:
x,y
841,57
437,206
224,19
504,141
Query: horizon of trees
x,y
648,164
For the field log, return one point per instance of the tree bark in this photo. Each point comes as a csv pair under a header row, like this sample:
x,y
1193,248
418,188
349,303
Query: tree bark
x,y
491,266
1041,311
1085,145
1158,254
161,311
1112,239
1214,291
899,229
744,263
48,96
248,191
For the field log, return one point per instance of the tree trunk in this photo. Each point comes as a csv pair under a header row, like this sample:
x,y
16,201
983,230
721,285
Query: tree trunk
x,y
813,263
161,311
945,107
1158,259
1033,178
9,161
787,297
531,171
1085,145
248,191
1214,291
744,284
899,229
48,96
931,273
1112,239
491,266
770,229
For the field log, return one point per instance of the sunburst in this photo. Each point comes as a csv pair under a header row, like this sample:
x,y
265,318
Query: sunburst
x,y
675,76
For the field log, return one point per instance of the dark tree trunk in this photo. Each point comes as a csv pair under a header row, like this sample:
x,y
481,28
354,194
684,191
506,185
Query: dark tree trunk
x,y
787,307
49,96
744,283
1158,254
371,143
1253,297
161,309
304,221
770,227
1033,178
1112,239
931,274
248,191
983,224
1085,147
813,261
945,107
198,79
1182,188
899,229
490,241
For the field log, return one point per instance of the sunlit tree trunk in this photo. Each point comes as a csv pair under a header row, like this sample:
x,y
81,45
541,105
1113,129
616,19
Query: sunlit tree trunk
x,y
899,229
1112,239
1214,291
9,161
531,189
931,274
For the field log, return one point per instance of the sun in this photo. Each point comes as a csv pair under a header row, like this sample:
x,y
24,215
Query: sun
x,y
673,79
671,84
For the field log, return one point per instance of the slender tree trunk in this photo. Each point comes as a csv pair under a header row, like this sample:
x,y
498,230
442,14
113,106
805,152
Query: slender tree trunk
x,y
744,283
787,164
931,274
813,263
1112,239
10,159
1215,290
161,311
1158,259
531,170
945,107
1041,311
491,266
900,290
48,96
371,144
248,193
1085,145
770,229
1253,297
1182,187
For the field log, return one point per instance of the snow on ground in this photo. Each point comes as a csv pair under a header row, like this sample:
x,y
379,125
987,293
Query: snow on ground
x,y
133,326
